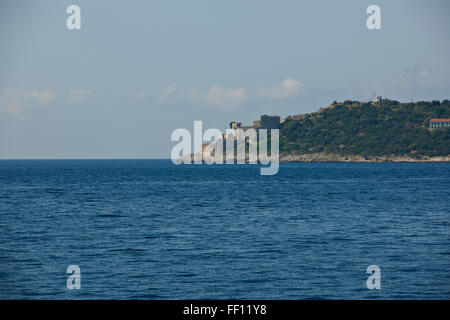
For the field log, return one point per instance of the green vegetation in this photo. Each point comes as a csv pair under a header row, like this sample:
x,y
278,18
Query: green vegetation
x,y
383,128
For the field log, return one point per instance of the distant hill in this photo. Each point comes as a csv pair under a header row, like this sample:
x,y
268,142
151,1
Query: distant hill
x,y
368,129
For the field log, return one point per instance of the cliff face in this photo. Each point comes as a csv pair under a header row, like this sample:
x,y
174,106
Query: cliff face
x,y
356,131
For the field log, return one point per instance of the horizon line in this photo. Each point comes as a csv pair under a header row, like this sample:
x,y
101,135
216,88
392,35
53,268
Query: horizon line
x,y
6,159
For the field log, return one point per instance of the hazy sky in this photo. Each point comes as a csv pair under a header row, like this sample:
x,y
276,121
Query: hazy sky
x,y
137,70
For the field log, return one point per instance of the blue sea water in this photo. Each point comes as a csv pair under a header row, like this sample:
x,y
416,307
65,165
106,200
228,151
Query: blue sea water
x,y
148,229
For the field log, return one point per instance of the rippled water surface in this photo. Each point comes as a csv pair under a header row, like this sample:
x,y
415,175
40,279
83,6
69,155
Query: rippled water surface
x,y
148,229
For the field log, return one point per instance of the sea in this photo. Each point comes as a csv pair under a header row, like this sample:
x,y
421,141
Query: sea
x,y
150,229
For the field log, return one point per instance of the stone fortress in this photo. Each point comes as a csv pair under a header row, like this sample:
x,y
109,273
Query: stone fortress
x,y
265,122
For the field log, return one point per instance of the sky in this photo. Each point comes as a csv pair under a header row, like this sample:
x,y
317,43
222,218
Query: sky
x,y
137,70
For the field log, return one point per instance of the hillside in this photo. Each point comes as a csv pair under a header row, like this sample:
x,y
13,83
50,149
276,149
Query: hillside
x,y
386,128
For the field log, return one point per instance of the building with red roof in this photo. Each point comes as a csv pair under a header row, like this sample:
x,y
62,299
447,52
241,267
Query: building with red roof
x,y
439,123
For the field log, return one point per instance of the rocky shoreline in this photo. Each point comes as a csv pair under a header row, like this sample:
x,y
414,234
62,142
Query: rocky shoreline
x,y
324,157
